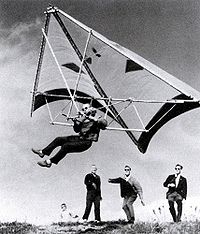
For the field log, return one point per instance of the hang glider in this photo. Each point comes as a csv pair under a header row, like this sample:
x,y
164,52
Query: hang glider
x,y
78,65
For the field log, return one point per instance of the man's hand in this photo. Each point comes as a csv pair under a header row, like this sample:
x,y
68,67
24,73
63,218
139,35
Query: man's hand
x,y
171,185
94,185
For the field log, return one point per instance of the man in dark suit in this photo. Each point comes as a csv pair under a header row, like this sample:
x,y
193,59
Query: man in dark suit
x,y
177,191
93,185
130,188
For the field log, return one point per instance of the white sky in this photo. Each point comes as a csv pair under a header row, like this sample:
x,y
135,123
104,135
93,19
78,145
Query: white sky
x,y
166,33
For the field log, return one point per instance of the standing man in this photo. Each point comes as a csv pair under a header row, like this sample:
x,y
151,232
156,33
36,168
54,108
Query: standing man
x,y
177,191
130,188
93,185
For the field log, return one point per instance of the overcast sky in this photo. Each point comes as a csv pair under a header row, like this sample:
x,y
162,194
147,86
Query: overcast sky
x,y
165,32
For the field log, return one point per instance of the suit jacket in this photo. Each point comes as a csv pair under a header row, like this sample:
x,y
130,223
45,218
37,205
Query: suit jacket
x,y
180,189
128,188
89,180
89,129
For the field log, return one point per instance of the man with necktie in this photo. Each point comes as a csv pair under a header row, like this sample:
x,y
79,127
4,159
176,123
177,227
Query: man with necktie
x,y
177,191
93,185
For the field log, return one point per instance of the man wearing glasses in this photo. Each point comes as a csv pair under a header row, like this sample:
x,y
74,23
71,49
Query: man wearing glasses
x,y
177,191
88,128
130,188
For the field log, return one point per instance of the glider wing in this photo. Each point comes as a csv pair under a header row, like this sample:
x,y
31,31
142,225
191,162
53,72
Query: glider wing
x,y
78,64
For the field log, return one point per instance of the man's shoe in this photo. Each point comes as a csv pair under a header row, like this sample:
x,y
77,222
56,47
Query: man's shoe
x,y
84,221
45,163
38,152
97,221
132,220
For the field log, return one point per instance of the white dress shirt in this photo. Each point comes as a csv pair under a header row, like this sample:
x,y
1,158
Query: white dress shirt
x,y
177,180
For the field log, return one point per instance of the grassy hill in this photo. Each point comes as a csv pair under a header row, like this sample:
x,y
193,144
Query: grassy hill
x,y
111,227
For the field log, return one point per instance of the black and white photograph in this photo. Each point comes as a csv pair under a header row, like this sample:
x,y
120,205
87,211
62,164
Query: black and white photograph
x,y
100,116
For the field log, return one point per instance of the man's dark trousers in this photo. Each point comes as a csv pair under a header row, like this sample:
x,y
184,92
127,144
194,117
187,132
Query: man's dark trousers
x,y
90,199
